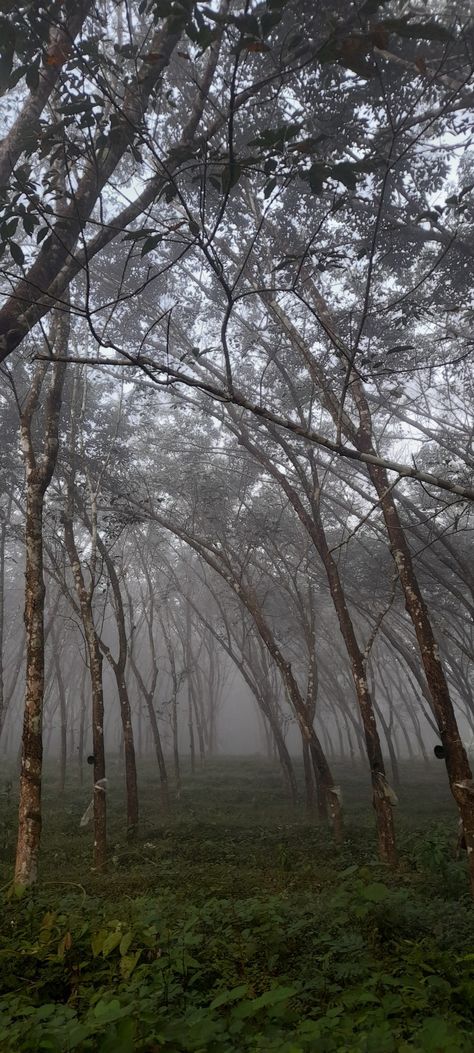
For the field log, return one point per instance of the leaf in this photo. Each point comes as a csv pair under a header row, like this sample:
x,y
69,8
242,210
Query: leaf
x,y
398,348
170,192
228,996
276,996
29,223
344,173
151,243
111,942
97,941
6,63
64,945
231,176
376,892
108,1011
317,174
16,252
125,942
32,77
128,963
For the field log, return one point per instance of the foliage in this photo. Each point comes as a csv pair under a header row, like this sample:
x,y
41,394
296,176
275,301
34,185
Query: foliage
x,y
309,953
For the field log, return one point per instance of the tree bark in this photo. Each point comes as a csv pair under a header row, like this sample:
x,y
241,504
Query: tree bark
x,y
39,472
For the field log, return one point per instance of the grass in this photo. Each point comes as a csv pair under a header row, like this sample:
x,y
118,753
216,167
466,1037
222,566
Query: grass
x,y
269,937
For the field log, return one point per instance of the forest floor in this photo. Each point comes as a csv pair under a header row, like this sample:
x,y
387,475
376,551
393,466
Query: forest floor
x,y
234,925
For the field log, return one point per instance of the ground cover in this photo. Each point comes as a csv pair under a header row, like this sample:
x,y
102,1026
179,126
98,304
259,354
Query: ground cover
x,y
234,925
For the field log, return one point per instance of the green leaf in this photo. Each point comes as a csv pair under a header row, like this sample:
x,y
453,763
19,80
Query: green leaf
x,y
151,243
269,187
128,963
107,1011
16,252
376,892
228,996
344,173
111,942
317,174
125,942
231,176
97,941
32,77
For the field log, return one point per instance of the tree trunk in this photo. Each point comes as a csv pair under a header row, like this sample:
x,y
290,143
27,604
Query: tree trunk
x,y
129,754
149,696
29,819
63,715
39,472
309,783
82,718
457,764
313,524
174,724
191,734
95,669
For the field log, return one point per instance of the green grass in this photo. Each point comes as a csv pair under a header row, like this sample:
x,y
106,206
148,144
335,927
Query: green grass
x,y
234,925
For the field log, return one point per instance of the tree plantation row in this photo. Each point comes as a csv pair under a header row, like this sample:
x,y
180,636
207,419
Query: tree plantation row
x,y
236,398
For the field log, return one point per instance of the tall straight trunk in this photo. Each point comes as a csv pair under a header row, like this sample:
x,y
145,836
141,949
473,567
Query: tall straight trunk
x,y
82,720
119,666
390,746
199,727
62,713
176,764
129,754
12,681
3,539
339,734
308,772
192,751
84,595
72,740
29,820
350,743
140,732
39,472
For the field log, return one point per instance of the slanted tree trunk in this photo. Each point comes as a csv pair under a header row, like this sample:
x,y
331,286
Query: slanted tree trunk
x,y
381,797
457,764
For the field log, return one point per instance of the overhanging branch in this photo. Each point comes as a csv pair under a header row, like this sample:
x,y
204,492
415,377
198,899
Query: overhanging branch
x,y
154,371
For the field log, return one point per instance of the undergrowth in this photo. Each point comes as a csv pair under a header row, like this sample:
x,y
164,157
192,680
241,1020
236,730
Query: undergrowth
x,y
234,926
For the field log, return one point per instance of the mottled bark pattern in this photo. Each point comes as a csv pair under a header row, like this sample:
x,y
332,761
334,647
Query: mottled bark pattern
x,y
29,815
